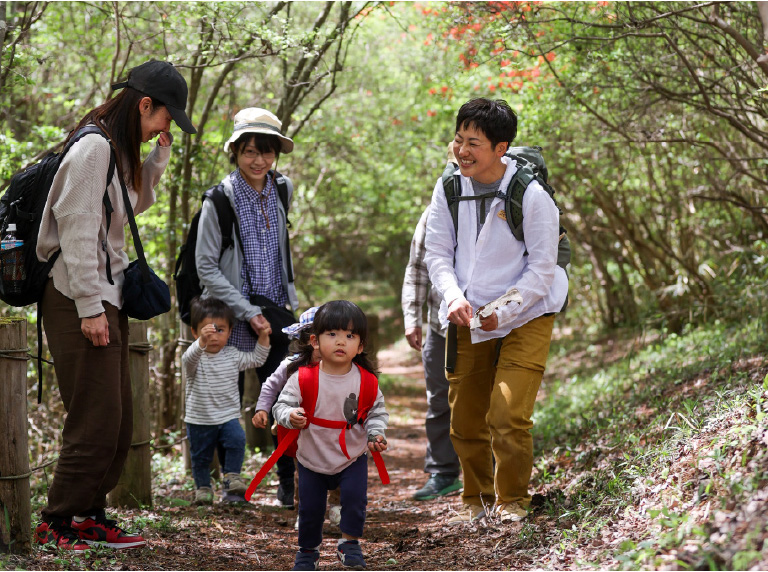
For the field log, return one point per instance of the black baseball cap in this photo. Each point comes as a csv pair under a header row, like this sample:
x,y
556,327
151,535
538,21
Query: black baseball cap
x,y
163,82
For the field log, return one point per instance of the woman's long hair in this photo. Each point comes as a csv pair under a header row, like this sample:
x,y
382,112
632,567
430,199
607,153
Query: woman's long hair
x,y
120,118
337,315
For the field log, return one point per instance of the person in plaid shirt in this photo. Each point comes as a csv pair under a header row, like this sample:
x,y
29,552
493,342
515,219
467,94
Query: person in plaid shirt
x,y
259,263
440,460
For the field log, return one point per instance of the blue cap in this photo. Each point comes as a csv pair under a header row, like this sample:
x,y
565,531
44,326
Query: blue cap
x,y
305,321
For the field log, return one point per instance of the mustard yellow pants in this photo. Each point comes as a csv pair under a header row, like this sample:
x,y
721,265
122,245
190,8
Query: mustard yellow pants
x,y
491,407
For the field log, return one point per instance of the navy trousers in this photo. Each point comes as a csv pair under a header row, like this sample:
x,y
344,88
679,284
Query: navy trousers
x,y
352,483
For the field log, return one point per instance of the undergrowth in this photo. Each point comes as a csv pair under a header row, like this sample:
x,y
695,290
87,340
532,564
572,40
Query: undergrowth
x,y
658,454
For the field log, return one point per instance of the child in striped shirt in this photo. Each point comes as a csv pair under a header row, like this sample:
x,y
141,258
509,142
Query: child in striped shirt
x,y
212,411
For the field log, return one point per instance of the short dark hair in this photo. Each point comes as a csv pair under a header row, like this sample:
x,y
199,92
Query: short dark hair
x,y
341,315
202,308
262,141
494,117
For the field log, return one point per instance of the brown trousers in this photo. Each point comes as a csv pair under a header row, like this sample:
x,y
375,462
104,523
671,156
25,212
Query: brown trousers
x,y
95,388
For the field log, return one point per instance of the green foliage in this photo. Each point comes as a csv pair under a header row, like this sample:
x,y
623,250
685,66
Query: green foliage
x,y
631,428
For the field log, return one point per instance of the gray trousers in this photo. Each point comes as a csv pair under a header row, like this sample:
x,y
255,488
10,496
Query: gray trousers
x,y
440,456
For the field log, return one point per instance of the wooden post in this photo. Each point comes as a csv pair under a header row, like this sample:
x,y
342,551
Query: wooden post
x,y
185,341
15,508
134,489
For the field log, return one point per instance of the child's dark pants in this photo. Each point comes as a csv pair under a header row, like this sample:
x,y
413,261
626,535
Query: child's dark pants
x,y
313,491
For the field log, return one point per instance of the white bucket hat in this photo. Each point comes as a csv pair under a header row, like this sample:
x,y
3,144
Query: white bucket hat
x,y
258,120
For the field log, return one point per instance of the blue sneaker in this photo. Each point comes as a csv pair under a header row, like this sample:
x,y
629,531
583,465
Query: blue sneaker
x,y
306,560
350,555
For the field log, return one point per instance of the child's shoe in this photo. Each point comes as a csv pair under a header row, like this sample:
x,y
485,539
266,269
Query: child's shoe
x,y
234,484
100,530
351,555
306,559
204,495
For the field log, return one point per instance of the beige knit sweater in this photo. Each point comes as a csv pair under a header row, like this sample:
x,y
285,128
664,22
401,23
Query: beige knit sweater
x,y
74,220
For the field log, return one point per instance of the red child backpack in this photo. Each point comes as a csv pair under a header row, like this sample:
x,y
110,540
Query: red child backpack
x,y
288,438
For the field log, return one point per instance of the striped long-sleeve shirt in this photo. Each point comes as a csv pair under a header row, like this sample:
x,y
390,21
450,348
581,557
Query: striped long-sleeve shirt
x,y
212,397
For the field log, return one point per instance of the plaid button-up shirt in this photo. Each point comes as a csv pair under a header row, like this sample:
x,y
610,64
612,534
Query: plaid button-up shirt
x,y
416,286
261,249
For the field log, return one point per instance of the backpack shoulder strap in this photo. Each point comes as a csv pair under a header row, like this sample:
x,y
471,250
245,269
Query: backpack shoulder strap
x,y
282,189
108,208
282,192
225,213
308,384
514,203
452,189
369,389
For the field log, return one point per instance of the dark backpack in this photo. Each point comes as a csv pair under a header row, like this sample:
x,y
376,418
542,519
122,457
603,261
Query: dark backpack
x,y
185,274
530,163
22,205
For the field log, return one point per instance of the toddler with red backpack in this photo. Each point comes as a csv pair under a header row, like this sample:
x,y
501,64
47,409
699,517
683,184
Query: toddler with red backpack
x,y
338,412
299,333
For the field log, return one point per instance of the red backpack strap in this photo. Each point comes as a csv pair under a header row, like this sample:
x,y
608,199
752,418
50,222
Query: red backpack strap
x,y
369,390
308,383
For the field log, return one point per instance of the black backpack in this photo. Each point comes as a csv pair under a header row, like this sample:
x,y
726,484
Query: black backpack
x,y
185,274
22,205
531,166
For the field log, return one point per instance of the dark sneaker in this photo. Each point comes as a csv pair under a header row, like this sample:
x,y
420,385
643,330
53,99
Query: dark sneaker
x,y
306,560
285,495
438,485
351,555
59,535
104,532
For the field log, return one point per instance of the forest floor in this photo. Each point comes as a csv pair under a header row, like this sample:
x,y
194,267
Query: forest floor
x,y
623,529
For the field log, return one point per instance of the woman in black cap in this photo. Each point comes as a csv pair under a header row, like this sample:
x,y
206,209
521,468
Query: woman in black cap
x,y
86,329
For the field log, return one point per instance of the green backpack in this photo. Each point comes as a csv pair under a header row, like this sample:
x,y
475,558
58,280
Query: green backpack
x,y
530,166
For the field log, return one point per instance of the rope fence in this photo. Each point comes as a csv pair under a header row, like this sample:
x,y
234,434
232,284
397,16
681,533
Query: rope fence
x,y
52,461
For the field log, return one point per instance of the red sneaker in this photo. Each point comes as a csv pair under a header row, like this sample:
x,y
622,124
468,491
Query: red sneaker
x,y
105,532
59,535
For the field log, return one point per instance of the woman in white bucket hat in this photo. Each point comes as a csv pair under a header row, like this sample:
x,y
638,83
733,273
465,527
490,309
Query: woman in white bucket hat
x,y
253,274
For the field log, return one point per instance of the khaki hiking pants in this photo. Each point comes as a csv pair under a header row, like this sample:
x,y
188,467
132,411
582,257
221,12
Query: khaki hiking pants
x,y
491,408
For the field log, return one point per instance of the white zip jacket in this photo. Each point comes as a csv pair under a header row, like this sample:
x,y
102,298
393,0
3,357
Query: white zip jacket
x,y
486,268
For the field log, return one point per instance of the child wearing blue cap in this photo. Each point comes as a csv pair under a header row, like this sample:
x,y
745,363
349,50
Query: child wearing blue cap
x,y
300,333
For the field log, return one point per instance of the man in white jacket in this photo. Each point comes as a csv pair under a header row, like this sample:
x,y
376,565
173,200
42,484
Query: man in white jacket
x,y
498,366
